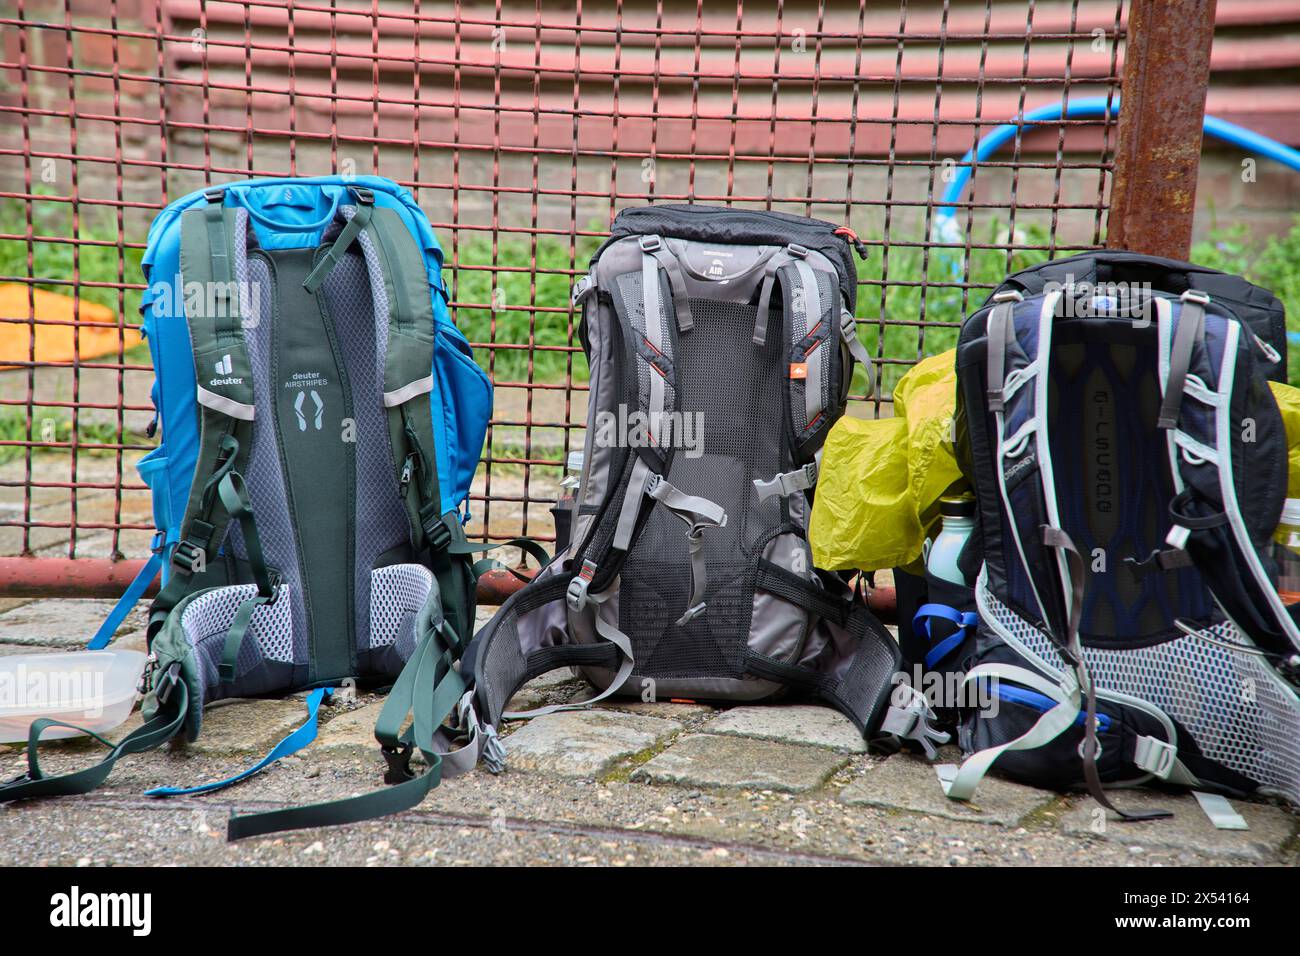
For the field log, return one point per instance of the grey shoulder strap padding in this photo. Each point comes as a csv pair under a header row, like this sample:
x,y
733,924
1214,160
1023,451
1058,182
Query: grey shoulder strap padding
x,y
791,253
1001,333
653,248
1191,330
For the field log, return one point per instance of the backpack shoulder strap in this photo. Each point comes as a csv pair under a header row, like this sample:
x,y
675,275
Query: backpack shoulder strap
x,y
213,238
1209,523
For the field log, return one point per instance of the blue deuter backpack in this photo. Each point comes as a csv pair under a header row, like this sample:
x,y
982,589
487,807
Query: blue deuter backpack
x,y
322,419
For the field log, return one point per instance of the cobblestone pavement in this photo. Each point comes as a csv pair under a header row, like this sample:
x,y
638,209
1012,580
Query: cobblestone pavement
x,y
625,784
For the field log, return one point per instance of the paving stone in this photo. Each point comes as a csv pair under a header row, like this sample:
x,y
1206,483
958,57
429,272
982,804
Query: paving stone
x,y
583,743
794,724
56,622
906,782
350,733
1188,829
705,760
247,726
552,688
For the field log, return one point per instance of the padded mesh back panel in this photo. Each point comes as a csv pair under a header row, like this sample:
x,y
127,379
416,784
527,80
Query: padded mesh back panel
x,y
1113,487
737,389
381,521
1238,711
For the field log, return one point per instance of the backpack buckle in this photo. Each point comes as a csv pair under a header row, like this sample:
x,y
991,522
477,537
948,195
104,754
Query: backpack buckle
x,y
215,195
164,685
399,764
364,195
1197,296
188,557
796,250
436,533
576,593
581,289
1155,756
1008,295
650,243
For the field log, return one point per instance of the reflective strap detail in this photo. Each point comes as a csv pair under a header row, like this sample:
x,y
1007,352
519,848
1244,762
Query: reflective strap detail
x,y
849,332
226,406
787,482
576,594
291,744
581,289
1155,756
652,247
1001,333
1191,329
409,391
1046,729
1177,536
911,720
636,489
1220,811
616,637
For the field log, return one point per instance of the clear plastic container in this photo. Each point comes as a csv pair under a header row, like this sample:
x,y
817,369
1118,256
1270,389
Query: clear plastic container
x,y
1286,551
93,689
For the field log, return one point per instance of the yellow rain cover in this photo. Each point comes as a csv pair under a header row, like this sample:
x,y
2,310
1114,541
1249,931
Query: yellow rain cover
x,y
880,480
1288,400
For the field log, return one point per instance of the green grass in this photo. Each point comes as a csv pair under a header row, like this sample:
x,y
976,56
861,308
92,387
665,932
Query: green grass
x,y
55,425
920,318
57,260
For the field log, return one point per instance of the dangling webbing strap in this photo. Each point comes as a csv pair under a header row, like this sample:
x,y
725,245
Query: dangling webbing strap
x,y
234,498
654,251
162,727
1057,538
698,513
1191,330
849,332
347,235
626,662
291,744
429,690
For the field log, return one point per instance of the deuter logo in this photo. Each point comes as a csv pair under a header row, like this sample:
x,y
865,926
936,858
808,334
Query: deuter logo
x,y
224,366
76,909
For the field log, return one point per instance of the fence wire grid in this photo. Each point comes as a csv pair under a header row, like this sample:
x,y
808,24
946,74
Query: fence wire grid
x,y
521,130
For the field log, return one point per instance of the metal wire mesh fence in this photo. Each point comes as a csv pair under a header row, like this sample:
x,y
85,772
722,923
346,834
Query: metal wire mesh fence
x,y
521,130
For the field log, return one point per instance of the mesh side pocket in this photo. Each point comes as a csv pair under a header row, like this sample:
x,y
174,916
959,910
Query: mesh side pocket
x,y
398,593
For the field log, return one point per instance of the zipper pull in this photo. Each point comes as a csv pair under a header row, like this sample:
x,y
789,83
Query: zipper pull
x,y
848,235
407,467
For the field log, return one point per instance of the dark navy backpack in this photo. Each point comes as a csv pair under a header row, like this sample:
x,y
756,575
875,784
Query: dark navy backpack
x,y
1130,465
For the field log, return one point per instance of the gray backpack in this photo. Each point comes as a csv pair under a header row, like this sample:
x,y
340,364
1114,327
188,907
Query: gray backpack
x,y
721,344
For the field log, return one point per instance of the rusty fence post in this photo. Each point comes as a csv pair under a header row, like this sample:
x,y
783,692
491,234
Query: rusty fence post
x,y
1162,112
